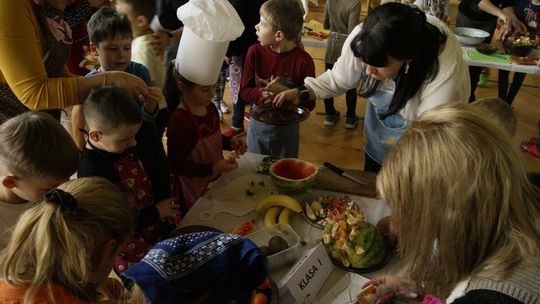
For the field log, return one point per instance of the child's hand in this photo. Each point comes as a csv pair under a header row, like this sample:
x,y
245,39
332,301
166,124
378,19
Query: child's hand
x,y
239,146
272,87
168,208
224,165
291,95
151,101
111,289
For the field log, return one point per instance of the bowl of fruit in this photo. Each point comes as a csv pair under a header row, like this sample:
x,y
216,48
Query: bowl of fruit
x,y
519,45
292,175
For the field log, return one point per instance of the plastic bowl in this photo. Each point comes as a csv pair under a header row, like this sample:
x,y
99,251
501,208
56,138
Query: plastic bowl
x,y
470,36
293,175
284,257
486,48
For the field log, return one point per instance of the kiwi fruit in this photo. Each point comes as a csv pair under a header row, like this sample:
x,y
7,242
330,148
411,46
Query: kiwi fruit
x,y
265,250
277,244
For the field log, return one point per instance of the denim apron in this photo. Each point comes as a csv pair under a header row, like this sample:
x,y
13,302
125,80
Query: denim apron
x,y
54,61
334,44
278,141
381,134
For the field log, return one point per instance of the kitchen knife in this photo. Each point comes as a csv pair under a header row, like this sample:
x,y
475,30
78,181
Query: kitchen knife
x,y
340,172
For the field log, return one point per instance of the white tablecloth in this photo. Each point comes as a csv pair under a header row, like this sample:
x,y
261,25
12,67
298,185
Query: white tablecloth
x,y
340,283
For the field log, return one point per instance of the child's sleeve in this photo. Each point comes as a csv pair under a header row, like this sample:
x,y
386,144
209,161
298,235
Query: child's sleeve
x,y
354,16
308,71
249,91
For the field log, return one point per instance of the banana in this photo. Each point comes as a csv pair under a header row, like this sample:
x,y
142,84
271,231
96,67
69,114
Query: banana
x,y
271,216
277,200
284,215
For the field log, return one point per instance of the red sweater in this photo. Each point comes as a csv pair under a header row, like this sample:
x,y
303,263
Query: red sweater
x,y
292,67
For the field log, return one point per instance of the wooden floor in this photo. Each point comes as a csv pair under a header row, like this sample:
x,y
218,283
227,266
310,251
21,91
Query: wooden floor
x,y
344,147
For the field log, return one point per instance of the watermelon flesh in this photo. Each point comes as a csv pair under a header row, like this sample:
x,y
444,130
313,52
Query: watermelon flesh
x,y
293,169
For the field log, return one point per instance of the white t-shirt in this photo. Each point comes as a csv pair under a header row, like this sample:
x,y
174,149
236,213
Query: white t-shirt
x,y
142,52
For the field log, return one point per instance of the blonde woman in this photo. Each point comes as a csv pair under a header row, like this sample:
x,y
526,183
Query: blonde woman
x,y
62,250
454,180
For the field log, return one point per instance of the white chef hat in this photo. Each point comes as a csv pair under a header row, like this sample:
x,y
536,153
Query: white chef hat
x,y
209,26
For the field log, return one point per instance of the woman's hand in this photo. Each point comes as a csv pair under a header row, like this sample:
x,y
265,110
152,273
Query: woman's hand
x,y
224,165
271,88
151,103
290,95
168,208
128,82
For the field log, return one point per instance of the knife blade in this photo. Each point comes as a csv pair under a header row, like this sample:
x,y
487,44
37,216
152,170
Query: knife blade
x,y
340,172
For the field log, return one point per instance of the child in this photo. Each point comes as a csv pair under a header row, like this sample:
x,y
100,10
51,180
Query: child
x,y
393,290
498,111
273,66
140,14
61,250
194,141
110,39
340,17
227,269
36,154
113,119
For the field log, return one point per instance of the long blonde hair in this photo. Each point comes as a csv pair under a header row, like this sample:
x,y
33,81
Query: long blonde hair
x,y
50,245
454,180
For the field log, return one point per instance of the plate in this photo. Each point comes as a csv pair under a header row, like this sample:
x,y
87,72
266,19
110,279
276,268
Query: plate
x,y
326,202
525,60
387,258
284,115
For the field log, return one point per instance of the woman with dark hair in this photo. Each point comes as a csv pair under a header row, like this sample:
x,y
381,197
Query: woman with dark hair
x,y
405,63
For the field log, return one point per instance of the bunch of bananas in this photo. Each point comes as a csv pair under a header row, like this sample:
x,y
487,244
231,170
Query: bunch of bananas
x,y
277,208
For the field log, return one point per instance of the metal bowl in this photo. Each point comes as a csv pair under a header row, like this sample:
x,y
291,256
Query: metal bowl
x,y
470,36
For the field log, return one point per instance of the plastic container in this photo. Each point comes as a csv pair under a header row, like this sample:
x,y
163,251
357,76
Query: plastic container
x,y
285,257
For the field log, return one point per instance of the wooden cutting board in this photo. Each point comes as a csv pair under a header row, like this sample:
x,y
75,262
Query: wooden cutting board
x,y
330,181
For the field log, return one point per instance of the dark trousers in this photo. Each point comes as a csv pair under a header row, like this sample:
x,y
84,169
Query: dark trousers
x,y
506,94
238,114
350,98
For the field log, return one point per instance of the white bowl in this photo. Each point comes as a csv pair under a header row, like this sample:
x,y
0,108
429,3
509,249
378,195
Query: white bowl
x,y
470,36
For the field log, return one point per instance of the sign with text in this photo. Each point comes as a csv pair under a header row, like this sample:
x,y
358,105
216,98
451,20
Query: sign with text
x,y
308,275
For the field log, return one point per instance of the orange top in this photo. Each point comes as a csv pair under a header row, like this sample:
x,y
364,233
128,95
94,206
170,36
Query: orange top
x,y
10,295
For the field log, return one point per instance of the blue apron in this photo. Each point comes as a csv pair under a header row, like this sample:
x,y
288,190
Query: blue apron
x,y
381,134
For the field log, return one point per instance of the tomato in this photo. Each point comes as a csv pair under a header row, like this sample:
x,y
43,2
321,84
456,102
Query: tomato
x,y
258,298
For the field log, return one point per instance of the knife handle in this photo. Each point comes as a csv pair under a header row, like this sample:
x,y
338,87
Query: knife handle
x,y
333,168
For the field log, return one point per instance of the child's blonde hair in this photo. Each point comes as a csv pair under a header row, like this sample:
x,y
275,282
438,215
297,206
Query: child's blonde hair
x,y
453,179
499,111
286,16
35,145
56,241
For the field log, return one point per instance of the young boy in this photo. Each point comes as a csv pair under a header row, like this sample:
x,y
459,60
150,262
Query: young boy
x,y
36,155
274,65
110,38
113,119
140,14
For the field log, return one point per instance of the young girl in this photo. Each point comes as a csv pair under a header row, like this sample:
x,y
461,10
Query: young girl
x,y
62,250
194,140
482,215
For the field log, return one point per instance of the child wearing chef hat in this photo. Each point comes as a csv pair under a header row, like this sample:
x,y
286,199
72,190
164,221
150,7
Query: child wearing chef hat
x,y
194,140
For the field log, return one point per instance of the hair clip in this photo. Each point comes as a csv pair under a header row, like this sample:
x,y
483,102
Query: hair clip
x,y
66,201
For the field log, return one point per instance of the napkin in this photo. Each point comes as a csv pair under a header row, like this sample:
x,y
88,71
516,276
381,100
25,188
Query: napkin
x,y
221,266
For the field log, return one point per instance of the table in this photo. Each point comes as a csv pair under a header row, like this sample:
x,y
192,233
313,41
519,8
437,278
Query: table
x,y
340,283
512,67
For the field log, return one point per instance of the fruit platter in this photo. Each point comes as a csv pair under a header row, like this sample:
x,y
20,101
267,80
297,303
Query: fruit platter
x,y
352,243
